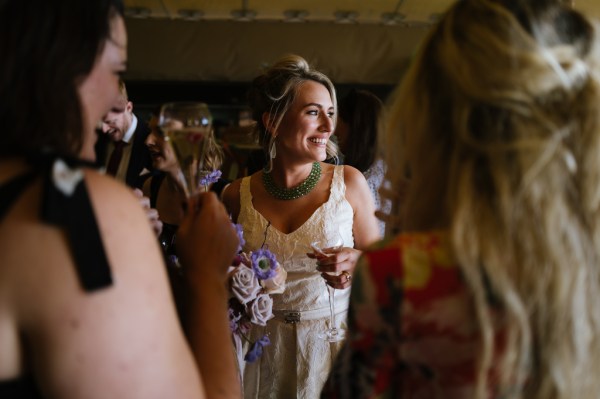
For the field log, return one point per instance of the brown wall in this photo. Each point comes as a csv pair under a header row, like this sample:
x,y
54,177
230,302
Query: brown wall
x,y
226,51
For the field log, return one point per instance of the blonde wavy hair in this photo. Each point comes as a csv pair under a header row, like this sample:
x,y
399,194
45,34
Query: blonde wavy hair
x,y
497,124
214,152
274,92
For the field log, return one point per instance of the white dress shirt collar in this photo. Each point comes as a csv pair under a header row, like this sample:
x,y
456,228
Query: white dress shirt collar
x,y
131,130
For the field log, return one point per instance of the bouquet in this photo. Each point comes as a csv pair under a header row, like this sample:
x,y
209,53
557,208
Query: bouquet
x,y
253,278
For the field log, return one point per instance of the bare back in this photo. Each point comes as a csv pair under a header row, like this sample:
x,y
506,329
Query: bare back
x,y
107,343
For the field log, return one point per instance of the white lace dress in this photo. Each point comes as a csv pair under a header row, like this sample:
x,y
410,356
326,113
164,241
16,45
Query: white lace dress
x,y
297,362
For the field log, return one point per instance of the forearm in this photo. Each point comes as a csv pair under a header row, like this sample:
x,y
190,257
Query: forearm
x,y
207,329
207,243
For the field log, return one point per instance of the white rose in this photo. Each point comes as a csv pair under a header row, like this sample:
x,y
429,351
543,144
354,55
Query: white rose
x,y
261,310
276,284
244,284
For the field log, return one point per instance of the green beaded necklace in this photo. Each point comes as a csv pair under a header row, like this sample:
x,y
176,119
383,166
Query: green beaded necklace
x,y
300,190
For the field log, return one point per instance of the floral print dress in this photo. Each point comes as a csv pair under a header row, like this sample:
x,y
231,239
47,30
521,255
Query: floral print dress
x,y
413,330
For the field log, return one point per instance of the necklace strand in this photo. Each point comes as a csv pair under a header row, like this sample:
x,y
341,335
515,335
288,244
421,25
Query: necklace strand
x,y
298,191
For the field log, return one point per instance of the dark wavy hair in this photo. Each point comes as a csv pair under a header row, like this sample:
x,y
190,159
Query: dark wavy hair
x,y
48,47
360,110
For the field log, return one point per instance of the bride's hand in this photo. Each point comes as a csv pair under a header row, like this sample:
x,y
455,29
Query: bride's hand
x,y
340,263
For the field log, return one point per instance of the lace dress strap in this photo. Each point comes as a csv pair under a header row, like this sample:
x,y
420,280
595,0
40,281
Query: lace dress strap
x,y
245,197
337,210
338,187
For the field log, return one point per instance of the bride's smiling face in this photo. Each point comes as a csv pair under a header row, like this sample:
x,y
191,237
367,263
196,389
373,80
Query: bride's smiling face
x,y
308,124
99,90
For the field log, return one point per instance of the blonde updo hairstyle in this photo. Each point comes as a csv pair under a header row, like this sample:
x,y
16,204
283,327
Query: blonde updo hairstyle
x,y
497,123
275,91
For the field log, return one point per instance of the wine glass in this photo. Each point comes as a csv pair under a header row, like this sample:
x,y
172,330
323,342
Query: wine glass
x,y
325,248
187,126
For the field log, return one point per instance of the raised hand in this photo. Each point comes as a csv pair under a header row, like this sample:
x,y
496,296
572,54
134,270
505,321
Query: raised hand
x,y
151,213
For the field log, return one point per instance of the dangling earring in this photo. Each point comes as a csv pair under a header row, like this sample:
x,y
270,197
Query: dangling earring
x,y
272,149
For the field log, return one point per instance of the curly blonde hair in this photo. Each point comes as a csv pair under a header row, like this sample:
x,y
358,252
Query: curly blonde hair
x,y
497,123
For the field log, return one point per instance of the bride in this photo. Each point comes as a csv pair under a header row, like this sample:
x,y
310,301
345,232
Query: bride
x,y
295,200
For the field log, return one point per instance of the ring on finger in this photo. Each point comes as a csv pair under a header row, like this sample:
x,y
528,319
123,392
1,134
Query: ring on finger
x,y
348,275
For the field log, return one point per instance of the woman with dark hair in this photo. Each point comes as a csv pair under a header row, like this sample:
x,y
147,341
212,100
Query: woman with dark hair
x,y
360,114
85,309
162,187
493,289
166,196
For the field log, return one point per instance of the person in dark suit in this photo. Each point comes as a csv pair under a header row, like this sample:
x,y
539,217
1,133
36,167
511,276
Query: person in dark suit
x,y
120,147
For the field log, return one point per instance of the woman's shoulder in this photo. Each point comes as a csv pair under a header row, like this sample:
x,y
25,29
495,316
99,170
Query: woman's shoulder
x,y
417,258
108,195
138,284
349,172
230,196
352,176
122,223
432,242
232,190
356,189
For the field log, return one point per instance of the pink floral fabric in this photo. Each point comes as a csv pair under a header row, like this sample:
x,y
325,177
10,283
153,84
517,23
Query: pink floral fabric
x,y
413,331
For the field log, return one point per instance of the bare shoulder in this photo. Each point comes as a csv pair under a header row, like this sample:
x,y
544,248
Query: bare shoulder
x,y
232,190
123,224
353,178
357,189
106,191
132,323
231,198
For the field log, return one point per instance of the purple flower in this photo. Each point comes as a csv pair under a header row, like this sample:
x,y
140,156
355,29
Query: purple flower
x,y
264,264
256,350
240,233
234,320
210,178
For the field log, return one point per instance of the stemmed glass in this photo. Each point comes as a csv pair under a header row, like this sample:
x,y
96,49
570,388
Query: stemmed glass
x,y
187,126
325,248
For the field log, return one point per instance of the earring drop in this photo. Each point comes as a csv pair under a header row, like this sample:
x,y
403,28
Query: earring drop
x,y
273,150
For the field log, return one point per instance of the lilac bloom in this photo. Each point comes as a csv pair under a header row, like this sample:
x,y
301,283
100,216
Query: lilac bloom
x,y
240,233
264,264
234,320
256,350
210,178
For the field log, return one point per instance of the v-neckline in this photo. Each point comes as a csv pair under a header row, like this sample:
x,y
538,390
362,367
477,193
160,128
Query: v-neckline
x,y
266,221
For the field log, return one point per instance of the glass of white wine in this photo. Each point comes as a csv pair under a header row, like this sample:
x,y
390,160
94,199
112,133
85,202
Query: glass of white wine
x,y
187,126
326,247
